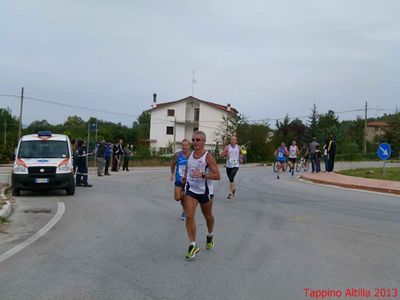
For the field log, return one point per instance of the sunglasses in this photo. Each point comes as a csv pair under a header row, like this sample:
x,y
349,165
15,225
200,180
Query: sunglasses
x,y
196,140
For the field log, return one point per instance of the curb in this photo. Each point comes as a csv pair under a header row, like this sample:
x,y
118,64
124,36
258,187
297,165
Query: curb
x,y
6,210
354,186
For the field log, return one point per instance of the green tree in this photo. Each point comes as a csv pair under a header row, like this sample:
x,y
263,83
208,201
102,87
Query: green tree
x,y
392,135
312,129
9,125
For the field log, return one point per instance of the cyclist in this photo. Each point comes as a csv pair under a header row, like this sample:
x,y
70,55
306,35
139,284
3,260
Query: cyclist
x,y
280,154
293,152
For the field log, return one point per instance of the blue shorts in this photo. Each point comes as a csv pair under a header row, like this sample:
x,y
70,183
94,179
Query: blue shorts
x,y
202,198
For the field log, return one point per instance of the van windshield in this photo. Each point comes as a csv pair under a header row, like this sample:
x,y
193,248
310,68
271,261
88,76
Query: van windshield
x,y
43,149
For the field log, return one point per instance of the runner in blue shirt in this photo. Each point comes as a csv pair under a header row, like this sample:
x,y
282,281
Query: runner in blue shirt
x,y
178,168
281,154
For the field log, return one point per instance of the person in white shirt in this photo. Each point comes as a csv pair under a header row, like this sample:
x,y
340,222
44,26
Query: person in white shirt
x,y
293,152
233,154
201,170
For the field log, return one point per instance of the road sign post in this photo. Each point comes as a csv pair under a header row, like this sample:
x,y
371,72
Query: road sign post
x,y
384,151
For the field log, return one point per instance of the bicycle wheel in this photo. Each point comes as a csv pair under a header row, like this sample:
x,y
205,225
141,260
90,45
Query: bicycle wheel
x,y
274,167
298,166
306,165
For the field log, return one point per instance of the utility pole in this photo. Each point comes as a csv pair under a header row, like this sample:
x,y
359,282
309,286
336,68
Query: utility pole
x,y
365,127
193,82
20,113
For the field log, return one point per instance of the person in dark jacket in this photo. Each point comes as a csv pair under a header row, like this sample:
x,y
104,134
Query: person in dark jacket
x,y
82,170
117,153
107,157
331,153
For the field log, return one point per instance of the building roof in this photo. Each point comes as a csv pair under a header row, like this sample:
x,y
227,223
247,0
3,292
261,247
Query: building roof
x,y
378,124
191,98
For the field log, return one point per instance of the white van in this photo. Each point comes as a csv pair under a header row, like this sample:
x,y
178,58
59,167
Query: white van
x,y
43,161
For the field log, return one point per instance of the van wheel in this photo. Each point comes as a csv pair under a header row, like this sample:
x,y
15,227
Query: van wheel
x,y
71,190
16,192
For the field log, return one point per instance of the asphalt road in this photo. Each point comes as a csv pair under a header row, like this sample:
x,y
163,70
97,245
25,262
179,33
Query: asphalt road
x,y
123,239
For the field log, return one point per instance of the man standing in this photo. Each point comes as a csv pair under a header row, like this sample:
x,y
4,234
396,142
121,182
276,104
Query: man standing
x,y
244,154
101,149
200,171
178,169
331,153
82,170
117,153
127,153
107,157
312,148
233,154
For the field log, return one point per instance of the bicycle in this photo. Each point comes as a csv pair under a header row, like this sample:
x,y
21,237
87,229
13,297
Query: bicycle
x,y
302,163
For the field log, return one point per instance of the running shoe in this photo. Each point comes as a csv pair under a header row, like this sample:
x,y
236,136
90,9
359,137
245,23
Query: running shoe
x,y
183,216
233,192
277,177
192,251
210,242
229,196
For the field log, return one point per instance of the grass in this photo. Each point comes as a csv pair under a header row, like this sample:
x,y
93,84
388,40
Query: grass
x,y
4,220
392,173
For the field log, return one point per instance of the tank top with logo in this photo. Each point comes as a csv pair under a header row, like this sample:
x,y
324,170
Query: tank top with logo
x,y
181,163
198,185
232,159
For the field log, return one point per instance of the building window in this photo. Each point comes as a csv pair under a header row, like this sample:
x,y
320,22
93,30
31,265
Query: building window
x,y
170,130
196,114
171,112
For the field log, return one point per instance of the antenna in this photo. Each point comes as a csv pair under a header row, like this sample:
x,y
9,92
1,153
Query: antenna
x,y
193,82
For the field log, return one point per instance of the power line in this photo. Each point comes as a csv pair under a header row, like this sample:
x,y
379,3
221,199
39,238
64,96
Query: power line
x,y
72,105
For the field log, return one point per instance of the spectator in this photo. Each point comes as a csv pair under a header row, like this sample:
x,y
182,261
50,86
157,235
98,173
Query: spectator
x,y
244,154
117,153
127,153
101,150
326,155
107,157
312,147
331,153
317,160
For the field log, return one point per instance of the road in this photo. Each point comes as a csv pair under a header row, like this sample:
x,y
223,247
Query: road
x,y
122,239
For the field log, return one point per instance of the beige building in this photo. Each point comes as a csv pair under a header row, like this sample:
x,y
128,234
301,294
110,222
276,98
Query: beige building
x,y
376,129
171,122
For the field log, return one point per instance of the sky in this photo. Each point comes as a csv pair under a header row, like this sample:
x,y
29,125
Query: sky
x,y
266,58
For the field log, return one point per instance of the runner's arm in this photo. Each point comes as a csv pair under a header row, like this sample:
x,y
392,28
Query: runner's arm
x,y
173,166
213,167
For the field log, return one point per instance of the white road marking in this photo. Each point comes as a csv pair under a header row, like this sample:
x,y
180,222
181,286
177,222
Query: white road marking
x,y
37,235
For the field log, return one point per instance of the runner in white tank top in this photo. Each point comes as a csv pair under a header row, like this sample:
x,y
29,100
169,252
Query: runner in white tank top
x,y
201,169
233,154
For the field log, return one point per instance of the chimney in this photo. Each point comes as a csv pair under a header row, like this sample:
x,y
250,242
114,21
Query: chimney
x,y
154,101
228,107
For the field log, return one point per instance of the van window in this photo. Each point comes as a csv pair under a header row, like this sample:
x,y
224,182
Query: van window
x,y
43,149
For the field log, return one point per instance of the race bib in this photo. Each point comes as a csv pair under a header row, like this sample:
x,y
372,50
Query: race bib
x,y
280,154
233,162
181,171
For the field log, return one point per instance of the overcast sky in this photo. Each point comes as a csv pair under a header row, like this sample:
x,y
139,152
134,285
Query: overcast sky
x,y
267,58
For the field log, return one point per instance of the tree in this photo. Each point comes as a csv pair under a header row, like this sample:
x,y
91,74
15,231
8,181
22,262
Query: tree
x,y
392,135
312,130
256,139
328,124
227,128
9,125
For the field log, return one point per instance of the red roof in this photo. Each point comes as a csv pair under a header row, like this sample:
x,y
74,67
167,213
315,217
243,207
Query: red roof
x,y
191,98
378,124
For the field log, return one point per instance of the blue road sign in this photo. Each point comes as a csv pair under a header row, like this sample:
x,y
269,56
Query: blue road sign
x,y
384,151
